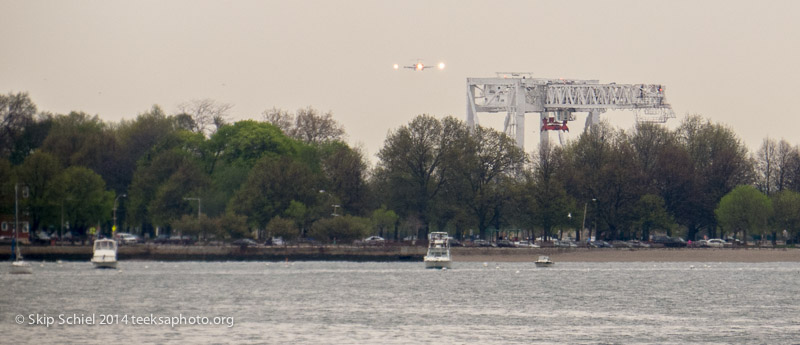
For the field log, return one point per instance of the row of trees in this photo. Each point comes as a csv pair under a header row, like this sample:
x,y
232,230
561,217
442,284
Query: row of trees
x,y
292,175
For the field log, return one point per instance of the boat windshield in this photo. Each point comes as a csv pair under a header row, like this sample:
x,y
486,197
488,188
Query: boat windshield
x,y
104,245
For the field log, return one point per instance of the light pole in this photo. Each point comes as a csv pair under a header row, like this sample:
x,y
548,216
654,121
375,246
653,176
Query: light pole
x,y
14,244
583,224
114,229
199,205
335,206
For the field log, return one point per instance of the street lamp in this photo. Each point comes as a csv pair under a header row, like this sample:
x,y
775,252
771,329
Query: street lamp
x,y
199,205
583,224
114,229
335,206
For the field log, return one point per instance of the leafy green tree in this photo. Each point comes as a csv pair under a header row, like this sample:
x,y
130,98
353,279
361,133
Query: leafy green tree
x,y
203,227
484,160
17,112
786,205
601,165
80,139
270,188
383,220
231,225
413,167
743,209
340,229
89,203
548,203
719,162
282,227
170,200
7,181
674,181
159,186
300,214
651,214
345,171
32,138
138,140
37,173
245,142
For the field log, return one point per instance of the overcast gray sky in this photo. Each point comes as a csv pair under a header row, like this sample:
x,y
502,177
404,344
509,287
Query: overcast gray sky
x,y
735,62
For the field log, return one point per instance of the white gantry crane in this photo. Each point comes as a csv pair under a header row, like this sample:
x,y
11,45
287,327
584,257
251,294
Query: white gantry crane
x,y
557,99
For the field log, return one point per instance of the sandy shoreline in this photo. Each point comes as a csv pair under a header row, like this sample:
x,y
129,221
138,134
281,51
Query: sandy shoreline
x,y
642,255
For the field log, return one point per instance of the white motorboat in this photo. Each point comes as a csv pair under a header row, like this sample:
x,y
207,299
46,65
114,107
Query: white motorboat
x,y
544,261
438,251
105,254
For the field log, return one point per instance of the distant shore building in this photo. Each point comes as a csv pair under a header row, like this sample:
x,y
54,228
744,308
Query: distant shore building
x,y
7,228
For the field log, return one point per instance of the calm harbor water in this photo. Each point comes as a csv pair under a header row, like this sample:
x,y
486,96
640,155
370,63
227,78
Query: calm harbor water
x,y
402,303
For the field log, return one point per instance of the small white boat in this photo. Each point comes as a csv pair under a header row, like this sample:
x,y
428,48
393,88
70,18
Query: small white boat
x,y
20,266
544,261
438,251
105,254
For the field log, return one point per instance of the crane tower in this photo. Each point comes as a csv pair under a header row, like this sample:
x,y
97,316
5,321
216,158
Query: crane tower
x,y
557,99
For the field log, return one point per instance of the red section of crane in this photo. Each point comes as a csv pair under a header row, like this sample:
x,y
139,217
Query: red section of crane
x,y
550,124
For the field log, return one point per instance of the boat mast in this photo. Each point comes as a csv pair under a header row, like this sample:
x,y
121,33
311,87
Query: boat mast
x,y
15,250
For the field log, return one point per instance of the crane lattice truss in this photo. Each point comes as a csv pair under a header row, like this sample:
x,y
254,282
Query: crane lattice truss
x,y
557,99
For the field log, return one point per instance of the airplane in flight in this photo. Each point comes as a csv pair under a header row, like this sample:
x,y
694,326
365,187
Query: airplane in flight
x,y
419,66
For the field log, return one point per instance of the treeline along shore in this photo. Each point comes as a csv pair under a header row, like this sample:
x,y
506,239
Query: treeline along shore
x,y
411,253
293,175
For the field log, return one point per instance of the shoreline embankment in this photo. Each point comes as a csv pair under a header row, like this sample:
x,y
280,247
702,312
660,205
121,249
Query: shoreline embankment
x,y
150,252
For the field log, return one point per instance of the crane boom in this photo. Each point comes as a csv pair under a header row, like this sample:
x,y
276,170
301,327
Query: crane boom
x,y
557,99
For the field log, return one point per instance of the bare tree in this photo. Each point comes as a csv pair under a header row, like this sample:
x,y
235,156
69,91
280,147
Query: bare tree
x,y
281,119
206,113
309,125
314,128
766,166
784,158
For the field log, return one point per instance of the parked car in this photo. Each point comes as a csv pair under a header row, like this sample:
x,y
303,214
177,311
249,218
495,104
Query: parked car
x,y
481,243
638,244
374,240
275,241
599,244
40,237
128,239
185,239
716,243
526,244
621,244
504,243
667,241
244,242
161,239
